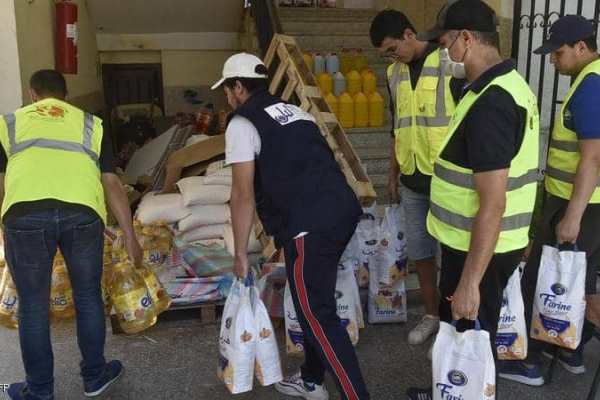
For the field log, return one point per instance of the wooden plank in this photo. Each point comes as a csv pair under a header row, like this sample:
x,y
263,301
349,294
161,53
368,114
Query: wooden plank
x,y
276,81
289,89
270,56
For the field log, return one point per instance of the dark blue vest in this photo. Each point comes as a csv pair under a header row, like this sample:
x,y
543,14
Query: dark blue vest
x,y
299,186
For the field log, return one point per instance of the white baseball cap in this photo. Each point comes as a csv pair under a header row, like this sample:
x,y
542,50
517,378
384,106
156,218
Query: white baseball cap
x,y
241,65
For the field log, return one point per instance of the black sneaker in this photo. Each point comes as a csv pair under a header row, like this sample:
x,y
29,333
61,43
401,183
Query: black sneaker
x,y
572,361
112,372
419,394
19,391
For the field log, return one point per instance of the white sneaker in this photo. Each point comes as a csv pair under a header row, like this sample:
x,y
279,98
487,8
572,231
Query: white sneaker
x,y
424,329
296,387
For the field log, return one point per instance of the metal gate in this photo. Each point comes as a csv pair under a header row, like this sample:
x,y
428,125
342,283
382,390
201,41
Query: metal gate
x,y
532,19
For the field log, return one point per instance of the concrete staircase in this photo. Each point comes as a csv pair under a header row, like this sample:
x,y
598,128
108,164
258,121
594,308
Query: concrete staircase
x,y
330,30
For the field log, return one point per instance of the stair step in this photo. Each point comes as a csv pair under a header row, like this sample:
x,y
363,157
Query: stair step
x,y
332,27
334,43
372,152
322,14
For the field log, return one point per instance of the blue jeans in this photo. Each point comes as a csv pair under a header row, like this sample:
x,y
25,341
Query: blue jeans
x,y
31,242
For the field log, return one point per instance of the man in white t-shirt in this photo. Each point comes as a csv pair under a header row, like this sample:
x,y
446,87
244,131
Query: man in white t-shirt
x,y
284,170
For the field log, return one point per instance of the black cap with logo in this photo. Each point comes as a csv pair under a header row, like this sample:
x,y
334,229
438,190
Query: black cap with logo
x,y
471,15
566,30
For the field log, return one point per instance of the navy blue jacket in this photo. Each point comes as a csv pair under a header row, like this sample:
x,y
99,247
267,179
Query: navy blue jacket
x,y
299,187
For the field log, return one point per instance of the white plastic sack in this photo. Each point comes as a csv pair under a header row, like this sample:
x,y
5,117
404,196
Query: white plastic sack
x,y
268,365
201,215
559,302
254,245
237,341
345,295
167,208
294,337
368,236
463,365
203,233
194,191
218,168
511,339
225,180
387,290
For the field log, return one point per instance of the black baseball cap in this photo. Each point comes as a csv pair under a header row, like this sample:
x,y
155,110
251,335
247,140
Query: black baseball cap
x,y
566,30
471,15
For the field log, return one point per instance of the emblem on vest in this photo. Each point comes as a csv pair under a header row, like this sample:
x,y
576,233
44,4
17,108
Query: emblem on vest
x,y
53,112
285,114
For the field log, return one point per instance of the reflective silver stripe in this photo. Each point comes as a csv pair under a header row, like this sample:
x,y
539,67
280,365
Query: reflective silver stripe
x,y
403,122
440,101
430,72
563,176
88,130
433,122
53,144
458,221
393,81
467,181
571,147
10,125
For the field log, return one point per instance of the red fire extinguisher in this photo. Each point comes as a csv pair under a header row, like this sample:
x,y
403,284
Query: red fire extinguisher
x,y
66,37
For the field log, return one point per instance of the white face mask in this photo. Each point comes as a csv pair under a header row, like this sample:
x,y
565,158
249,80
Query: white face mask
x,y
456,69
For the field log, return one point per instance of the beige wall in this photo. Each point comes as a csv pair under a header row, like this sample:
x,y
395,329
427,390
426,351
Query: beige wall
x,y
35,32
10,73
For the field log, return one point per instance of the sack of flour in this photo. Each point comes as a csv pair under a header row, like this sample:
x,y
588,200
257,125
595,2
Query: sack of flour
x,y
237,341
463,364
345,295
559,302
511,339
268,365
294,337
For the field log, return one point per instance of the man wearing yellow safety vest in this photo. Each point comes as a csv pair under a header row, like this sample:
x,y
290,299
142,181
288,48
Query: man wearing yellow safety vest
x,y
423,94
484,183
571,212
57,167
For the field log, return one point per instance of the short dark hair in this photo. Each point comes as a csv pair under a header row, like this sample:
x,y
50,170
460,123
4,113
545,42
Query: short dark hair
x,y
48,83
389,23
590,42
488,38
251,84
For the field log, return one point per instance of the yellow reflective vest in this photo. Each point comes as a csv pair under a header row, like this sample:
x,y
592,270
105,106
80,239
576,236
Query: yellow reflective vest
x,y
454,200
421,115
564,155
53,151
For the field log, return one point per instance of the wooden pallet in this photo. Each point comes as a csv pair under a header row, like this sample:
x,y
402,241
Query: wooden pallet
x,y
207,313
295,83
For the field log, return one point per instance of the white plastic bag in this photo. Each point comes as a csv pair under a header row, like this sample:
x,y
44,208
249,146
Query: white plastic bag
x,y
463,365
367,234
511,339
294,337
559,302
268,365
237,341
345,295
387,290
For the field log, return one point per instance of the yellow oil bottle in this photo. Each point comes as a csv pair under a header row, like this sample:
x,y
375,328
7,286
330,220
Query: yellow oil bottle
x,y
8,301
159,295
369,82
376,110
325,83
346,110
333,103
353,82
308,60
130,298
361,110
61,293
362,61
